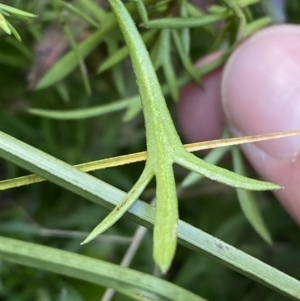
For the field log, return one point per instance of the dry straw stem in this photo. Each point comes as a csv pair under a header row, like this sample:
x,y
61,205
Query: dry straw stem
x,y
142,156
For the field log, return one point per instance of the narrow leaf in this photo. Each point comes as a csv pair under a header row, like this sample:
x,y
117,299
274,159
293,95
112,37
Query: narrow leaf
x,y
137,285
166,218
16,12
185,32
68,62
78,57
191,22
213,157
257,25
117,72
167,65
247,200
123,52
222,175
132,111
123,206
140,6
14,31
77,12
3,24
185,58
94,9
87,112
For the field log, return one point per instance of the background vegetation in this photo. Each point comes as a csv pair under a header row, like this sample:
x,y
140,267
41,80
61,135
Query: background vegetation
x,y
46,214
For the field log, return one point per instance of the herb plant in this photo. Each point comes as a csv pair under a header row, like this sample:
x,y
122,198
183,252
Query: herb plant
x,y
147,32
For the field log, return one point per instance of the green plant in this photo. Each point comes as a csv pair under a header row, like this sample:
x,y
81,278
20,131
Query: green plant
x,y
163,144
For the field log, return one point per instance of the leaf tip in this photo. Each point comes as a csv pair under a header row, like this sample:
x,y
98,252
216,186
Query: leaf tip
x,y
97,231
87,240
276,186
164,265
162,262
164,269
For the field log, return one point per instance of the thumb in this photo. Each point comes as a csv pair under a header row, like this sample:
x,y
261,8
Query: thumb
x,y
261,94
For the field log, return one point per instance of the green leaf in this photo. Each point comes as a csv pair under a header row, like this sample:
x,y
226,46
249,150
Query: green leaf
x,y
186,61
216,9
167,65
163,144
247,200
76,51
3,24
213,157
137,285
156,52
132,111
240,17
257,25
104,194
77,12
69,62
16,12
178,23
123,52
185,32
94,9
123,206
117,72
166,218
222,175
195,12
140,6
14,32
87,112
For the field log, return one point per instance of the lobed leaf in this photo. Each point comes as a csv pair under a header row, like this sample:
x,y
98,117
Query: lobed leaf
x,y
99,192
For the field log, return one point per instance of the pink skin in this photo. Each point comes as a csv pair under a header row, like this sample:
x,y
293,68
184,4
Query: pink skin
x,y
191,110
260,93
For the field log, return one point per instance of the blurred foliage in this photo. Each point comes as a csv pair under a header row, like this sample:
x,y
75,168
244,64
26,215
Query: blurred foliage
x,y
33,213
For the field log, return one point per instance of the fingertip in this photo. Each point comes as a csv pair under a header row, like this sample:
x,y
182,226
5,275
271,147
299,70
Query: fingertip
x,y
260,94
199,112
260,88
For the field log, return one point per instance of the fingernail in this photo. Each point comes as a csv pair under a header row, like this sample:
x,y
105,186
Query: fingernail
x,y
261,89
